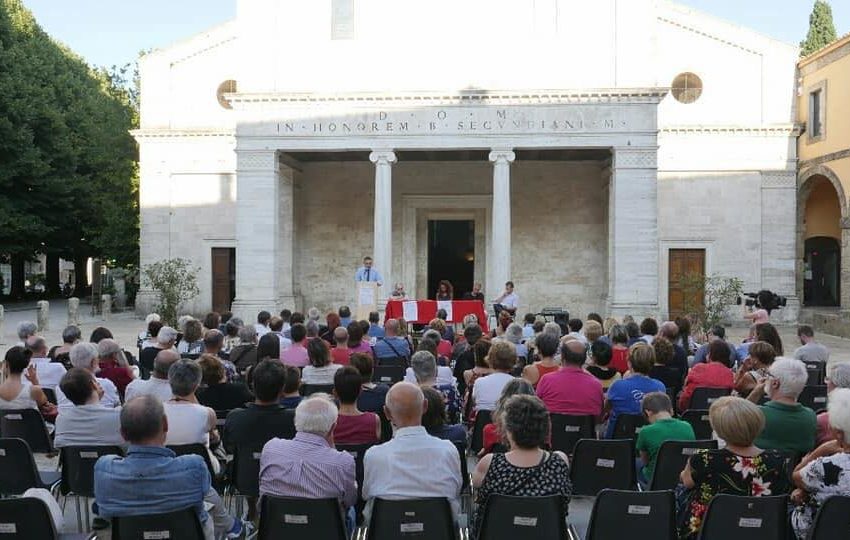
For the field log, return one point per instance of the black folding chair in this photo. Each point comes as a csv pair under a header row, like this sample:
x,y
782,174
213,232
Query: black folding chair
x,y
703,397
698,419
731,517
358,452
671,460
289,517
507,517
429,518
832,521
78,474
388,375
196,449
646,514
183,524
29,519
26,424
310,389
482,418
392,361
567,430
813,397
601,464
18,471
627,426
816,371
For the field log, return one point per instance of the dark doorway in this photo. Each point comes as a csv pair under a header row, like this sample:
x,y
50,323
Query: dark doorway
x,y
223,278
686,266
451,255
821,278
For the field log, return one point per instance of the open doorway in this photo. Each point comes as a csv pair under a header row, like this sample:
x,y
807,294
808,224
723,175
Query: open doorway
x,y
451,255
822,279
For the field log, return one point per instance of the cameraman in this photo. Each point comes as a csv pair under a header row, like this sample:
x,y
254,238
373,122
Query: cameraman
x,y
756,315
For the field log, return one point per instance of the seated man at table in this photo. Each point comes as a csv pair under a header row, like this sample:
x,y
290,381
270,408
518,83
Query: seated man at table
x,y
508,301
391,345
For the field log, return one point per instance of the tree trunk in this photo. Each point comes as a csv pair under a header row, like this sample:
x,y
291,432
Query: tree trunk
x,y
51,276
17,286
81,283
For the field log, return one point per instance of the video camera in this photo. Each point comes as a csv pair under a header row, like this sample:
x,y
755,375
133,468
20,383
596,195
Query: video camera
x,y
764,299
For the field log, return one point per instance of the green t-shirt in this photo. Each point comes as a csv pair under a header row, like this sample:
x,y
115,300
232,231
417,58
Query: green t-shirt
x,y
652,436
790,428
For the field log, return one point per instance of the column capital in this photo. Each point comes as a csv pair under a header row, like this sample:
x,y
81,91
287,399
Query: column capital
x,y
502,155
257,160
382,156
635,157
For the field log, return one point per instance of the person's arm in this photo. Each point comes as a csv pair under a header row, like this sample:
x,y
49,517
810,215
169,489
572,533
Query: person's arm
x,y
687,476
531,375
349,485
481,470
757,393
211,427
744,380
377,427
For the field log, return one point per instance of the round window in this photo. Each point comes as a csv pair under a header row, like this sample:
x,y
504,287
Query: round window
x,y
227,87
686,88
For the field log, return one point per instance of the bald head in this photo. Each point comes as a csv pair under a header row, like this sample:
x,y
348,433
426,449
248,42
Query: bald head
x,y
143,421
669,330
340,334
163,362
405,405
574,353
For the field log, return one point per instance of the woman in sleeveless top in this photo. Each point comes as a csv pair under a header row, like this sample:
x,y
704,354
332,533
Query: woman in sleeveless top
x,y
547,346
352,425
525,470
20,390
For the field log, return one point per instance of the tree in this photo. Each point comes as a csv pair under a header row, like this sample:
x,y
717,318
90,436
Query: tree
x,y
717,293
821,29
175,281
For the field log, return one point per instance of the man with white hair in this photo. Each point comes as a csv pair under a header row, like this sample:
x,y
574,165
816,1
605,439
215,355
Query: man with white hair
x,y
113,364
49,373
84,355
165,340
26,330
308,466
788,426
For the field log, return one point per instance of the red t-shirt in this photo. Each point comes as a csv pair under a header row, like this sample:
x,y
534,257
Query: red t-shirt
x,y
707,375
119,375
619,360
359,429
571,390
341,356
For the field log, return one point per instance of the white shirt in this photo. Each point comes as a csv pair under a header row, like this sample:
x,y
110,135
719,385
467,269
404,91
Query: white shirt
x,y
88,425
110,398
319,375
510,301
487,390
444,376
261,330
49,373
285,343
153,387
412,465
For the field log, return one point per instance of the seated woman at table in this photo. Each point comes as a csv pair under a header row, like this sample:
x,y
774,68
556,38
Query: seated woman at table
x,y
398,292
445,291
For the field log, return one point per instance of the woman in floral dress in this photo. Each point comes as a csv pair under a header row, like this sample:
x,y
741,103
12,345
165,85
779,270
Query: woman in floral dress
x,y
738,469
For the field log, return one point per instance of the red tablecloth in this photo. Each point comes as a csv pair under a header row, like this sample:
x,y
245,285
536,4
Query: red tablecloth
x,y
427,310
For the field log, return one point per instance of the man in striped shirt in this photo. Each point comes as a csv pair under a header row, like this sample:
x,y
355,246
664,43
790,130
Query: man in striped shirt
x,y
308,466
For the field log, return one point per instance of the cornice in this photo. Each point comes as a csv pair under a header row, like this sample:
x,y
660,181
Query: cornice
x,y
768,130
702,33
830,54
168,133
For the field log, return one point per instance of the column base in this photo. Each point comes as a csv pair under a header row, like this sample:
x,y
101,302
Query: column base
x,y
292,302
146,301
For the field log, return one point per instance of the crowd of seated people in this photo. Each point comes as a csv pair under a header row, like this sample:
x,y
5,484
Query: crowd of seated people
x,y
213,383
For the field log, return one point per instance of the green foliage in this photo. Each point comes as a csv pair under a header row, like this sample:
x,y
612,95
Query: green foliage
x,y
821,29
175,281
717,294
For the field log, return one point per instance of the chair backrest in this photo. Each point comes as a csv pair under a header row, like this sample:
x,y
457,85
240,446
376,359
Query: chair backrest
x,y
288,517
482,418
671,460
395,361
196,449
647,514
50,394
78,467
507,517
603,464
310,389
732,517
832,521
412,518
813,397
567,430
26,518
183,524
358,452
388,374
698,419
816,371
703,397
26,424
627,426
18,471
245,472
464,466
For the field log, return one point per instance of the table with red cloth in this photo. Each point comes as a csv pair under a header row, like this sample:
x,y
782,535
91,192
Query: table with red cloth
x,y
427,310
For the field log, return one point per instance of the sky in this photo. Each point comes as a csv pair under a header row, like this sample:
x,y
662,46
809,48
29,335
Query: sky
x,y
112,32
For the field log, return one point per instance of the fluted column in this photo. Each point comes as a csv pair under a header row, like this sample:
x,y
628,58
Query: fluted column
x,y
500,227
383,236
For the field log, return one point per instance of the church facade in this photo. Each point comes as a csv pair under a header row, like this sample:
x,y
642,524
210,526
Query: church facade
x,y
596,154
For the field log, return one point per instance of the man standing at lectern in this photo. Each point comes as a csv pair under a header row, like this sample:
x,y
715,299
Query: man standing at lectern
x,y
367,273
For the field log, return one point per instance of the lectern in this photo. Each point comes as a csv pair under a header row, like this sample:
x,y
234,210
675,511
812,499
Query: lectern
x,y
366,293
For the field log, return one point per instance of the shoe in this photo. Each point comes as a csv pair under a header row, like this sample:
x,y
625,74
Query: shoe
x,y
100,524
240,530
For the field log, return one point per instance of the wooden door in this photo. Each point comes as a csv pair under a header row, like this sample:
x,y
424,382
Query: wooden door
x,y
223,278
684,262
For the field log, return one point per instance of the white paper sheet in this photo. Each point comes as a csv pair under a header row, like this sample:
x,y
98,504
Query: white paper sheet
x,y
410,311
447,305
367,296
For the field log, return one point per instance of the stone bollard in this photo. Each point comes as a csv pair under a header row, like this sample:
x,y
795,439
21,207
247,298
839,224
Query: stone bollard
x,y
106,306
2,316
74,312
43,318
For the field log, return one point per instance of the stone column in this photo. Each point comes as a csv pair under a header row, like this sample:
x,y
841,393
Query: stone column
x,y
43,316
383,237
633,233
287,287
105,307
845,267
499,263
73,311
258,182
779,239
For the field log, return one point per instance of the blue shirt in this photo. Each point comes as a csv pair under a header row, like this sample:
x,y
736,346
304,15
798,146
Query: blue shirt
x,y
528,331
150,480
625,396
373,275
384,347
375,331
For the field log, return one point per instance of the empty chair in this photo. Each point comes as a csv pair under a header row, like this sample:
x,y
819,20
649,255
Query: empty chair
x,y
647,514
297,519
26,424
730,517
482,418
627,426
429,518
568,430
18,471
703,397
672,458
813,397
598,465
507,518
29,519
245,472
183,524
388,374
78,473
310,389
832,521
698,419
